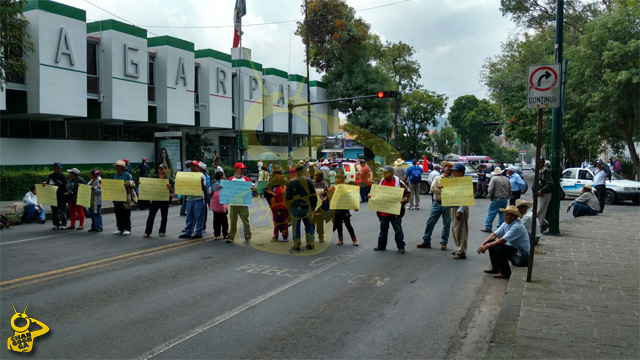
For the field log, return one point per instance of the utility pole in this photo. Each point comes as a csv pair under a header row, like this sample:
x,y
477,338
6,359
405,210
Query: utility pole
x,y
396,109
306,28
556,132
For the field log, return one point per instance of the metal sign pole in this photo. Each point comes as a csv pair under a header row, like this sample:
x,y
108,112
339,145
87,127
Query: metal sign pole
x,y
536,186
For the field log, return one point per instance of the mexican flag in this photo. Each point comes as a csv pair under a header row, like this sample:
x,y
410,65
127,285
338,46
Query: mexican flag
x,y
239,11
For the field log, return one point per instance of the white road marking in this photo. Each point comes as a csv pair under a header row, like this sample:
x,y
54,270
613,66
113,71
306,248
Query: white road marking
x,y
231,313
41,237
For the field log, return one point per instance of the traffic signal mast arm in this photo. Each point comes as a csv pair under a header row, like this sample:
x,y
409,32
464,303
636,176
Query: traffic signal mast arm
x,y
379,95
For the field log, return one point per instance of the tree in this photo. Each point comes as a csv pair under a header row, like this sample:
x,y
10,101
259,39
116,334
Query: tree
x,y
419,111
445,140
196,144
342,47
15,42
467,116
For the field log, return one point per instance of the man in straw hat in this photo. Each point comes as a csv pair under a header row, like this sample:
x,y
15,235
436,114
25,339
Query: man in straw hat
x,y
586,204
509,243
438,210
499,193
398,169
524,207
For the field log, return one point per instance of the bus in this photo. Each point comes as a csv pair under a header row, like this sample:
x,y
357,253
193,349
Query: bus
x,y
476,160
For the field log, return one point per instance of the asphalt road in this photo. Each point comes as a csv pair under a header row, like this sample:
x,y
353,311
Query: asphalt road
x,y
106,296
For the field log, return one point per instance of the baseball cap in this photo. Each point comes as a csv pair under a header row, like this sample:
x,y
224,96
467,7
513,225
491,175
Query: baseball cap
x,y
161,166
512,168
57,165
202,165
458,167
74,170
144,159
126,160
239,165
388,168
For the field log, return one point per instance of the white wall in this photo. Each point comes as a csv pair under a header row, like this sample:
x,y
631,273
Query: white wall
x,y
174,99
275,110
41,151
55,84
298,94
3,99
125,96
252,110
215,93
319,113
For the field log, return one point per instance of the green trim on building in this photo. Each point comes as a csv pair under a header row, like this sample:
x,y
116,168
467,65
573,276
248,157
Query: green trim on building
x,y
171,87
16,103
214,54
247,64
62,68
118,26
170,41
56,8
298,78
313,83
153,114
133,81
276,72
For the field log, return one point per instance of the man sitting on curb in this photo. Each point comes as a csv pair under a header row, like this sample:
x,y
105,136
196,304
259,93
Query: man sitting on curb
x,y
33,208
586,204
509,243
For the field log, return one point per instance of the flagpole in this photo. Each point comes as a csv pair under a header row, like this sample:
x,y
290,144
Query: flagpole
x,y
239,77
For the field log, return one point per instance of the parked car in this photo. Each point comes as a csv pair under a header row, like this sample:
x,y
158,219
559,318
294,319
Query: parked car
x,y
618,189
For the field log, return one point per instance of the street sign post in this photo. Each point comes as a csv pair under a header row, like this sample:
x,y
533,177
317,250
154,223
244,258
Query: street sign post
x,y
543,86
543,92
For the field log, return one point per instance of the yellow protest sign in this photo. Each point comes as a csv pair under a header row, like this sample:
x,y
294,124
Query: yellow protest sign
x,y
113,190
346,197
318,192
47,194
457,191
189,183
386,199
153,189
84,195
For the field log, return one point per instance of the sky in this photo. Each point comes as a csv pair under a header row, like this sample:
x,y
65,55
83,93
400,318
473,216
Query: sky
x,y
452,38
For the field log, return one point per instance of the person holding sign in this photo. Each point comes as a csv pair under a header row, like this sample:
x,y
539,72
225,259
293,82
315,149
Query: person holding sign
x,y
163,206
460,220
387,219
241,211
58,213
318,217
437,210
303,200
274,193
95,210
33,208
71,194
342,216
195,206
123,213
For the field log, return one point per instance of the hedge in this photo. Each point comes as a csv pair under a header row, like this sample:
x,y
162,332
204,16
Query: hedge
x,y
15,183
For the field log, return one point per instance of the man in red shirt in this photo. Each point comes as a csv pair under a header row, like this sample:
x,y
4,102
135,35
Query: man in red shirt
x,y
395,220
365,181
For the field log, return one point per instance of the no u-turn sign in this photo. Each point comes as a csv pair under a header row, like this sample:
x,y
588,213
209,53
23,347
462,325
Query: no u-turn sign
x,y
543,86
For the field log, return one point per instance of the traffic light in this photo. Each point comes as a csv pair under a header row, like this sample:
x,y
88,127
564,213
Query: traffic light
x,y
387,94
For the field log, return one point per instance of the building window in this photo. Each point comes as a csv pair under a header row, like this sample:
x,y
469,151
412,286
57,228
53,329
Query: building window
x,y
58,129
93,79
40,129
196,93
19,128
151,80
77,130
16,80
111,132
93,131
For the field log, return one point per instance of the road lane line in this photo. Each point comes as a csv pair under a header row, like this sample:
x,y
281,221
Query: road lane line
x,y
231,313
38,238
97,262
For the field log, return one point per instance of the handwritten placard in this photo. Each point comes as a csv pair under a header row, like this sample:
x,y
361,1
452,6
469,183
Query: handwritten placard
x,y
113,190
261,186
47,194
84,195
386,199
153,189
235,192
457,191
189,183
319,192
345,197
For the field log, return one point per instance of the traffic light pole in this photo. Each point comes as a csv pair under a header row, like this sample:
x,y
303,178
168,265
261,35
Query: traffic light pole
x,y
556,133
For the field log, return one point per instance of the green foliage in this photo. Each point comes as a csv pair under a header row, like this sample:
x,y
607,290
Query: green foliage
x,y
445,140
419,111
196,144
14,40
467,116
503,154
396,60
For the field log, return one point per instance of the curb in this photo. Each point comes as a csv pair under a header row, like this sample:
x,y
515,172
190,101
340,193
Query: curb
x,y
504,332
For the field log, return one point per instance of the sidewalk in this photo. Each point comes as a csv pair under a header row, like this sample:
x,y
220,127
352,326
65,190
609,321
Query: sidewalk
x,y
583,301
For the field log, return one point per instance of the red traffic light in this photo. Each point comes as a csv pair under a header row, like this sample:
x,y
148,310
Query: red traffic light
x,y
386,94
381,94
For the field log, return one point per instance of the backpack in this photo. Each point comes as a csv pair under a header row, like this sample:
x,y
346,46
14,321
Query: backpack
x,y
607,170
415,175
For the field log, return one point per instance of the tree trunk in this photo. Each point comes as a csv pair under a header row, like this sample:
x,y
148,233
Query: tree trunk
x,y
628,138
395,121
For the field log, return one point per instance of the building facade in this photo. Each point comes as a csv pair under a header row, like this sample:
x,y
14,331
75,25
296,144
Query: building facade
x,y
96,92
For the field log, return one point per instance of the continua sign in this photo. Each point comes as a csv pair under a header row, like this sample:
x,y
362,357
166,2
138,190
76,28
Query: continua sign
x,y
543,86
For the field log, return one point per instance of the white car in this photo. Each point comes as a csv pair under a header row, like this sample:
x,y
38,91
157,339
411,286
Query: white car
x,y
618,189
